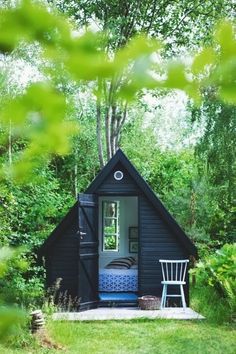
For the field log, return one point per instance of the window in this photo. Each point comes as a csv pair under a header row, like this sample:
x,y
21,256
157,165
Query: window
x,y
110,225
118,175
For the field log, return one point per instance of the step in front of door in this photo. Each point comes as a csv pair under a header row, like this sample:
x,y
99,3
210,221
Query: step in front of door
x,y
118,298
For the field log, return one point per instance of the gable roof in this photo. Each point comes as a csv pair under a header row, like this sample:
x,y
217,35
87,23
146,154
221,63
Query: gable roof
x,y
120,157
146,189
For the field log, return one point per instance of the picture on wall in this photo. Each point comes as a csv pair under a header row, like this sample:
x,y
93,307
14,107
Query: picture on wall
x,y
133,233
133,247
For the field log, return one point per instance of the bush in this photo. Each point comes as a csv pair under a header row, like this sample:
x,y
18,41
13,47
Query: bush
x,y
218,271
206,301
23,281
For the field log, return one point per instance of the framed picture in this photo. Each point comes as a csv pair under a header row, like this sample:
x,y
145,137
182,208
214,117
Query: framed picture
x,y
133,233
133,247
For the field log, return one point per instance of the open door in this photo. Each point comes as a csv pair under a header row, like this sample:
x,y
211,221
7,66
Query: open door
x,y
88,251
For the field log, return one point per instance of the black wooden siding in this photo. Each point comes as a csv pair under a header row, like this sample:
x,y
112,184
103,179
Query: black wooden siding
x,y
156,239
62,262
126,186
159,237
156,242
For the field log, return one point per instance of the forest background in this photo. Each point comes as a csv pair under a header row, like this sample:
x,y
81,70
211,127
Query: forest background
x,y
188,160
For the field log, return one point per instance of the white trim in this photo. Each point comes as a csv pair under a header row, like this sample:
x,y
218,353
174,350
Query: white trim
x,y
118,178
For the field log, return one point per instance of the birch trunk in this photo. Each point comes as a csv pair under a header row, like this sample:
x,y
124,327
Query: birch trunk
x,y
99,134
10,144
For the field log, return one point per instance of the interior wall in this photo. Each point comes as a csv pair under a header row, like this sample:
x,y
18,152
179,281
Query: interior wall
x,y
128,217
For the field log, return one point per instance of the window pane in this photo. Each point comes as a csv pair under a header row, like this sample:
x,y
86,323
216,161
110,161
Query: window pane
x,y
110,226
110,242
109,209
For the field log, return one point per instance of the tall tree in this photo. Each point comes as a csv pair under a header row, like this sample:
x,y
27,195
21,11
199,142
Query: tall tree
x,y
217,151
179,23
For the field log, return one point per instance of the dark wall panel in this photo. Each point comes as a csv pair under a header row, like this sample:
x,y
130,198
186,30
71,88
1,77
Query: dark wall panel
x,y
111,186
157,241
62,262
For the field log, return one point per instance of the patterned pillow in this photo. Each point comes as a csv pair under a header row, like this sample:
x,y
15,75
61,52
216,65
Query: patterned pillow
x,y
121,263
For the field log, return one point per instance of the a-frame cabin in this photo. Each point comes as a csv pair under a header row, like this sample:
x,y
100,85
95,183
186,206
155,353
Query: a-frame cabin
x,y
119,216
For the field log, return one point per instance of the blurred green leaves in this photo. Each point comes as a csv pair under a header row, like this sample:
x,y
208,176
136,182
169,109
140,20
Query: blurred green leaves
x,y
39,116
5,254
216,66
10,318
10,256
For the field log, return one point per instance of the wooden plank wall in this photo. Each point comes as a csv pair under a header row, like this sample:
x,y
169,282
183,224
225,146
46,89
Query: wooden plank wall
x,y
157,241
62,262
126,186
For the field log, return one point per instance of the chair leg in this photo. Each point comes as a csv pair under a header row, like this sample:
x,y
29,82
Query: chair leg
x,y
182,296
163,298
166,294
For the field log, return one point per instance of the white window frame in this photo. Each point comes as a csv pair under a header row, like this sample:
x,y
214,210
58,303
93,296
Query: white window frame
x,y
117,220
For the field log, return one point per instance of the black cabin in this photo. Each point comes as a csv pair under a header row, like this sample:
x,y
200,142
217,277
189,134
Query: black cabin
x,y
107,247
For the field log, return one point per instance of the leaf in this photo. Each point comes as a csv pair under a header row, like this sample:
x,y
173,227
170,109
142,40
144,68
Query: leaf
x,y
176,76
225,37
205,58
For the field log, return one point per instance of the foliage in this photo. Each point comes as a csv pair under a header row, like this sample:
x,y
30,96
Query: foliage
x,y
217,149
29,213
180,178
10,318
218,271
23,287
10,321
207,301
177,23
36,125
39,114
110,242
34,116
170,174
79,167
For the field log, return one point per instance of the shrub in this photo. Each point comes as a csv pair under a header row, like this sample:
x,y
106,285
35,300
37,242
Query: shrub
x,y
218,271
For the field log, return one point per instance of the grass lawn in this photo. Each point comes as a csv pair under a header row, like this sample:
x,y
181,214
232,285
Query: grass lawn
x,y
145,336
214,335
138,336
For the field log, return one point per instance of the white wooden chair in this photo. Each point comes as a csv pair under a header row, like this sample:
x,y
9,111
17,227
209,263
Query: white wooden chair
x,y
173,273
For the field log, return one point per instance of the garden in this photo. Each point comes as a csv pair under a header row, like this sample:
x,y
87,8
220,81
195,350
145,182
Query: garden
x,y
79,80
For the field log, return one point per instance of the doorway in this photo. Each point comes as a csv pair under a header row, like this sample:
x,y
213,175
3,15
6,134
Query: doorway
x,y
118,249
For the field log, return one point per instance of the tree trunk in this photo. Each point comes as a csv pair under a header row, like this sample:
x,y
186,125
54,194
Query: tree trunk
x,y
108,132
76,174
99,133
10,144
113,118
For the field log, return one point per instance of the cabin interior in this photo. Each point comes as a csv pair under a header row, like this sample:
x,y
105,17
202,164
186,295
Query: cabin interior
x,y
118,248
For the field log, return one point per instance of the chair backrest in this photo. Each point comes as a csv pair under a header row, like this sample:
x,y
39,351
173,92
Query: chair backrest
x,y
173,270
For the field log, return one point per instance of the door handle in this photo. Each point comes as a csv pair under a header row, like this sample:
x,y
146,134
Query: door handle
x,y
82,234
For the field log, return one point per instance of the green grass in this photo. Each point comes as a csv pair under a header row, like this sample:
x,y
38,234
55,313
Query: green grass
x,y
142,336
156,336
213,335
